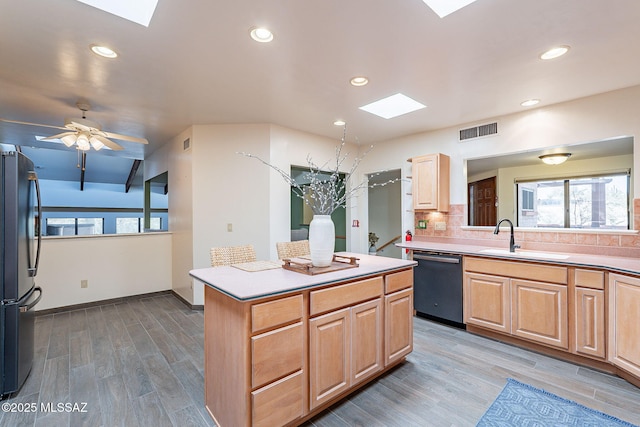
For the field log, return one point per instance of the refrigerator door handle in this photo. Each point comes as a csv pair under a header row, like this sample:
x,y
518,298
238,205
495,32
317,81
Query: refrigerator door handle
x,y
25,308
33,176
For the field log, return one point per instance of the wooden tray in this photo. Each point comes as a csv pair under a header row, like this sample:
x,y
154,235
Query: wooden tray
x,y
304,266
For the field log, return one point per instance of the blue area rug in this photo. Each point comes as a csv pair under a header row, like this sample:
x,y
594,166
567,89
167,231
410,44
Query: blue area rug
x,y
520,404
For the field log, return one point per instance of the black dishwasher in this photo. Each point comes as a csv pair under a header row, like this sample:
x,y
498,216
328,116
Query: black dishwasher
x,y
437,289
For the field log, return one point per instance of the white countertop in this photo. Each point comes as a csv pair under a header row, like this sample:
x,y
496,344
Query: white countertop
x,y
616,264
244,285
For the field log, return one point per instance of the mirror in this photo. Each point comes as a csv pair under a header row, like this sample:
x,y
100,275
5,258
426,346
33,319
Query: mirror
x,y
491,181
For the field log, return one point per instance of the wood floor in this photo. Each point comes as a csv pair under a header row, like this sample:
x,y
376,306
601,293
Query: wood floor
x,y
140,363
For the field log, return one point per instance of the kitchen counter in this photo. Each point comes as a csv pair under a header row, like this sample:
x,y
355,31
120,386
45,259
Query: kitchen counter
x,y
616,264
281,346
244,286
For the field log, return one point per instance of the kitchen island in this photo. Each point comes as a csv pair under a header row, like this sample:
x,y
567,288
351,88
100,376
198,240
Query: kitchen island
x,y
281,346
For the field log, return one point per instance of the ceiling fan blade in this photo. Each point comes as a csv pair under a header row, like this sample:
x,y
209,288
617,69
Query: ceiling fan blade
x,y
58,136
31,124
108,143
125,137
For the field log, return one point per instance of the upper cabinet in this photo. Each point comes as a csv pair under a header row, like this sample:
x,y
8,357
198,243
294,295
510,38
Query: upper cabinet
x,y
430,182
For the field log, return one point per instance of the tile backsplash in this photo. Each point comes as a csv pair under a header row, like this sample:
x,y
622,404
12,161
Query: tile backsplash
x,y
611,244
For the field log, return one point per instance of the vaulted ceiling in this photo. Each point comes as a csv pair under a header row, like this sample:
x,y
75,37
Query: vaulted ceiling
x,y
196,64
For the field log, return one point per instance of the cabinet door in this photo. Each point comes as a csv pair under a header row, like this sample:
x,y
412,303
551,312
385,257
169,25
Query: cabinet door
x,y
487,301
425,182
589,322
398,325
430,182
329,356
366,340
539,312
624,339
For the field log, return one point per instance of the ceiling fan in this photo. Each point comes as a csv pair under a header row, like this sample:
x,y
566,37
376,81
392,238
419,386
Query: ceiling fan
x,y
84,133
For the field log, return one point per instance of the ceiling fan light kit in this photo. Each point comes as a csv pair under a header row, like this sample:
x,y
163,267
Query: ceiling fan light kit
x,y
84,133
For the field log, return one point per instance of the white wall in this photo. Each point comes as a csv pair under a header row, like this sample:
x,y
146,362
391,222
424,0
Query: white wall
x,y
174,159
594,118
114,265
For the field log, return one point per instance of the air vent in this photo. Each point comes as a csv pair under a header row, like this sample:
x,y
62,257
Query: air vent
x,y
479,131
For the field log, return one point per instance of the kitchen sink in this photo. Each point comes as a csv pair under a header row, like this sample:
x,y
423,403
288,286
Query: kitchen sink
x,y
531,254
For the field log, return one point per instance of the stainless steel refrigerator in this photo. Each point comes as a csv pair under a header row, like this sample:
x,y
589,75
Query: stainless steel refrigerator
x,y
20,215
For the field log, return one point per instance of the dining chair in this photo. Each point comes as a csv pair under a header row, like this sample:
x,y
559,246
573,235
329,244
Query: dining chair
x,y
295,249
232,255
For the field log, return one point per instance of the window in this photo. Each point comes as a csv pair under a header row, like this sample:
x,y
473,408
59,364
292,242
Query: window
x,y
527,199
583,202
136,225
74,226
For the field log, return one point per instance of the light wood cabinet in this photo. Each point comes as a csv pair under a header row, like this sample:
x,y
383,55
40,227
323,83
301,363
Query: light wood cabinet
x,y
366,340
487,301
398,325
280,360
499,296
329,356
624,318
345,346
589,313
539,312
430,186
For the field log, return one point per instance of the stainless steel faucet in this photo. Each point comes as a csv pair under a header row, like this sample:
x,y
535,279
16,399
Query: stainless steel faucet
x,y
512,241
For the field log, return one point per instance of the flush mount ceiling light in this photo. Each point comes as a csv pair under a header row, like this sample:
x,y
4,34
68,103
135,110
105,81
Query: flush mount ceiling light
x,y
393,106
555,52
261,35
446,7
103,51
530,102
359,81
555,158
139,11
339,123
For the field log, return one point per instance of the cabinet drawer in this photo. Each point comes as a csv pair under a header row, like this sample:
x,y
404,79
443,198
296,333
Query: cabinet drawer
x,y
276,353
589,278
274,313
279,403
522,270
341,296
396,281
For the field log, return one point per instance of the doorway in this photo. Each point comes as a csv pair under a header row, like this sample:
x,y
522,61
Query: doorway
x,y
385,212
301,214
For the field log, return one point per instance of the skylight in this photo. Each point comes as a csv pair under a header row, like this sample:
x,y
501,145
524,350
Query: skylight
x,y
393,106
139,11
446,7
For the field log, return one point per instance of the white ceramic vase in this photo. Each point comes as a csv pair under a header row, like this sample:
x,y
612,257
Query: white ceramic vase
x,y
322,236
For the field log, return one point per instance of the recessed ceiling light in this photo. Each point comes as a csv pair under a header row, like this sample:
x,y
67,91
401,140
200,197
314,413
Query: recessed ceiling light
x,y
359,81
139,11
261,35
555,52
103,51
530,102
339,123
446,7
393,106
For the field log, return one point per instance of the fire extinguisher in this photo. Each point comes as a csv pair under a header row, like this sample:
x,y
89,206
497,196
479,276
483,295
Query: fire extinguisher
x,y
408,238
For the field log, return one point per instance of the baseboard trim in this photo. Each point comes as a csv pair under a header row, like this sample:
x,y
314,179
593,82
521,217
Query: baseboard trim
x,y
101,302
187,303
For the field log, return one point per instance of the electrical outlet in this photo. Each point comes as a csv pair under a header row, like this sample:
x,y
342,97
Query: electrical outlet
x,y
229,227
441,226
84,283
